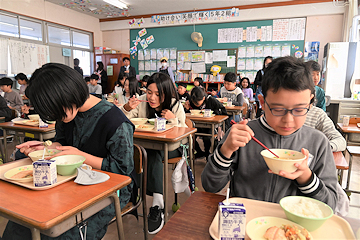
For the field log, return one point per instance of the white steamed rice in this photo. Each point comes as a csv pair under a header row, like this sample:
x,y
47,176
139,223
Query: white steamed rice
x,y
305,208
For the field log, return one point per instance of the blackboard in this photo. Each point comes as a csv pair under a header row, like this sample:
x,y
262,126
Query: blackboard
x,y
179,37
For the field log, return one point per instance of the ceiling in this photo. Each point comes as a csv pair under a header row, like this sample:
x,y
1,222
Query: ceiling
x,y
100,9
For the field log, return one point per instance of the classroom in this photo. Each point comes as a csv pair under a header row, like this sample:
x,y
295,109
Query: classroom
x,y
133,119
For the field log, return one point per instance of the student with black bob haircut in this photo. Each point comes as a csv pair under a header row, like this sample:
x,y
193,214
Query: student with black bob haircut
x,y
86,126
200,100
131,88
160,100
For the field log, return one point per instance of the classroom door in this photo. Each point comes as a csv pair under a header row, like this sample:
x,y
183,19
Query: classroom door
x,y
112,64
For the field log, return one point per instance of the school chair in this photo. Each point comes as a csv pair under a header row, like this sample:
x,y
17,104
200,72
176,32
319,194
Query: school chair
x,y
140,166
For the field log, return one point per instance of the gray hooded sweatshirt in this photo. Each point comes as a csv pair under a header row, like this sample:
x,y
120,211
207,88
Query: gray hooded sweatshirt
x,y
248,173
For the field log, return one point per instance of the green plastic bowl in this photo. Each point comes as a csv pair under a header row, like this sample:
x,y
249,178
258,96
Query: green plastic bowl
x,y
152,121
67,164
310,223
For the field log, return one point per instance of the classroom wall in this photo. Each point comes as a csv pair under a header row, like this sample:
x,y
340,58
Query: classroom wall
x,y
118,40
47,11
328,28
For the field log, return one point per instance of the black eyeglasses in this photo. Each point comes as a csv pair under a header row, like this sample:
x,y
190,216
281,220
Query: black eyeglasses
x,y
297,112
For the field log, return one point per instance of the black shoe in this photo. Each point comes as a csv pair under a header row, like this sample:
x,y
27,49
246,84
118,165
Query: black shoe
x,y
155,219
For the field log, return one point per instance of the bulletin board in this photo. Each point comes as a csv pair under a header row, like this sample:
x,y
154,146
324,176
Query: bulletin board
x,y
225,36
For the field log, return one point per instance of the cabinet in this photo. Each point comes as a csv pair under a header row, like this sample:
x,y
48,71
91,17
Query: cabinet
x,y
112,64
343,107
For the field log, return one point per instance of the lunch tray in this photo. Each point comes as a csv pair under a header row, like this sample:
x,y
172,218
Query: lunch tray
x,y
27,161
168,127
27,123
200,116
334,228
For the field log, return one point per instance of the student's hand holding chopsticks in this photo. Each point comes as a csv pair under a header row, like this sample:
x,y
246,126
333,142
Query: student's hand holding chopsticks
x,y
132,103
239,135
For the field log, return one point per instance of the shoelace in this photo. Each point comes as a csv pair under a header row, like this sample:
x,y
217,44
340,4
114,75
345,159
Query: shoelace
x,y
154,213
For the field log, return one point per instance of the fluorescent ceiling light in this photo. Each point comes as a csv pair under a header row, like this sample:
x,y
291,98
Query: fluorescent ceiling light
x,y
13,25
116,3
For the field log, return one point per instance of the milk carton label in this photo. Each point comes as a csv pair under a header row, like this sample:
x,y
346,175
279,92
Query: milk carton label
x,y
207,112
44,173
160,124
232,221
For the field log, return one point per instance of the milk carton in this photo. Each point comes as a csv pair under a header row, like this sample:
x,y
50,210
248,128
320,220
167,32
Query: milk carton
x,y
160,124
42,124
44,173
232,221
207,112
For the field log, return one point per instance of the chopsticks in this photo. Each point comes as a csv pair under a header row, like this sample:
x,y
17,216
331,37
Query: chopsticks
x,y
142,100
260,143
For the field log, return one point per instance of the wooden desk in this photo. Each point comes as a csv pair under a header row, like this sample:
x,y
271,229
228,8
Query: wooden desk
x,y
211,122
46,210
349,130
166,141
341,164
193,219
235,110
26,131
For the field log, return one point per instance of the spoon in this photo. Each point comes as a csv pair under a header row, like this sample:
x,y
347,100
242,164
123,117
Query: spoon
x,y
260,143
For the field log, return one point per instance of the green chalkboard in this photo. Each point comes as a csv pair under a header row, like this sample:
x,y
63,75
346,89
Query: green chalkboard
x,y
179,37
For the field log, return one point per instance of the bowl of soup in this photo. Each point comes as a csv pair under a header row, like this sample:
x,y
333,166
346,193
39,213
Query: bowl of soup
x,y
67,164
286,161
138,121
37,155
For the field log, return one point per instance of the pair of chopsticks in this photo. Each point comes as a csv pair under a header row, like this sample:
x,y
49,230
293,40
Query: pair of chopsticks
x,y
142,101
255,139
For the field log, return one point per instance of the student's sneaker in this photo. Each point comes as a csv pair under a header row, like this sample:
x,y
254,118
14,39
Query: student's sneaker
x,y
155,219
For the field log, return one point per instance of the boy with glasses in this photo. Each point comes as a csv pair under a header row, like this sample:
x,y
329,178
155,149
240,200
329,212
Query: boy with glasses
x,y
288,91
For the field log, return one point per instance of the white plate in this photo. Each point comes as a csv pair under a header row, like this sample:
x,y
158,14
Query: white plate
x,y
12,172
257,227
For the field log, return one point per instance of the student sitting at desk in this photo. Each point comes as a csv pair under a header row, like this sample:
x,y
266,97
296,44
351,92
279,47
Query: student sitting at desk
x,y
131,88
86,126
288,91
12,98
94,88
319,92
23,81
247,90
162,102
183,94
200,100
229,92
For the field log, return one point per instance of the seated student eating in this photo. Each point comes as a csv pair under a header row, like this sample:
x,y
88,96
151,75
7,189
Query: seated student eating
x,y
86,126
288,91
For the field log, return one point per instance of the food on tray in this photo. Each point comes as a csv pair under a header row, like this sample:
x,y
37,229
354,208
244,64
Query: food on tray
x,y
145,127
286,232
23,174
305,208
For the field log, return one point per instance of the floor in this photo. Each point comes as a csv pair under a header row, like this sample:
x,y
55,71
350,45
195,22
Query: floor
x,y
134,228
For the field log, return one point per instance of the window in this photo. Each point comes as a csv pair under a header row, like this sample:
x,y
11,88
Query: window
x,y
30,30
84,58
9,26
59,35
81,40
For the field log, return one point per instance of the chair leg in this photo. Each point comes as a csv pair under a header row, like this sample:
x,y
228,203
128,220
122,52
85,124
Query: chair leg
x,y
349,173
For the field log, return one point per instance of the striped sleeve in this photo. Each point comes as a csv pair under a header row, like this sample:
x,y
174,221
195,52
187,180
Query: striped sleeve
x,y
312,187
220,160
